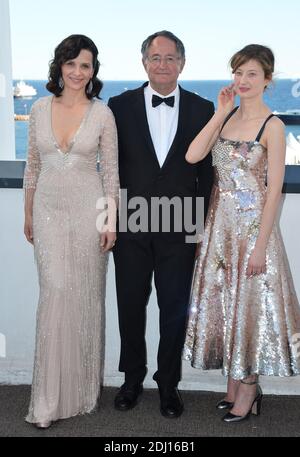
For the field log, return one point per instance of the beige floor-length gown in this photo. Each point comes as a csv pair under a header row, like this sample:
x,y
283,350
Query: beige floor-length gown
x,y
68,365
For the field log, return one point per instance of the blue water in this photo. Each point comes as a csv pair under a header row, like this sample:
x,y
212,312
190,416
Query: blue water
x,y
279,98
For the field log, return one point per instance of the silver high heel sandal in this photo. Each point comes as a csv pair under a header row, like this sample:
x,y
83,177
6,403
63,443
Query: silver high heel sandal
x,y
43,425
254,409
224,404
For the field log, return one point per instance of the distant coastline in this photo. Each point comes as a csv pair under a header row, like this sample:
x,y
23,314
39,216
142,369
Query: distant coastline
x,y
279,98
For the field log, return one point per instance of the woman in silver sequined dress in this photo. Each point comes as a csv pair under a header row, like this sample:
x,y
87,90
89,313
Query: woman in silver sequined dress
x,y
68,132
244,312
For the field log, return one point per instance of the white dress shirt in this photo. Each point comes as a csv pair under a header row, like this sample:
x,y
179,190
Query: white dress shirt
x,y
162,121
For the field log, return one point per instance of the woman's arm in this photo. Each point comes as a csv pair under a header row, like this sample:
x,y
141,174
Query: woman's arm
x,y
110,178
31,175
202,144
276,167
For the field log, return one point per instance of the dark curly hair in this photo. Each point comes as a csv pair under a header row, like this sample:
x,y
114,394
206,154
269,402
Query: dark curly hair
x,y
69,49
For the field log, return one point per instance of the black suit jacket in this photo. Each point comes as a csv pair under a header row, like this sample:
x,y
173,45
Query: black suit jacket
x,y
140,172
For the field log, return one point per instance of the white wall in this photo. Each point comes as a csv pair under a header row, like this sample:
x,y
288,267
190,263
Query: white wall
x,y
19,296
7,133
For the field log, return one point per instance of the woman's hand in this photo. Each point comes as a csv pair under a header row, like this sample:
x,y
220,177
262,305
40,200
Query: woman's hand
x,y
107,241
28,228
226,100
256,263
198,249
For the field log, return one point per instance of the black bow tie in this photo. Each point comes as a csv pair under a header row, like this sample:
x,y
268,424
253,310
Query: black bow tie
x,y
158,100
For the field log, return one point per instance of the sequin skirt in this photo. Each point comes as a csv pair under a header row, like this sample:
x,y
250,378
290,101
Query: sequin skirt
x,y
241,325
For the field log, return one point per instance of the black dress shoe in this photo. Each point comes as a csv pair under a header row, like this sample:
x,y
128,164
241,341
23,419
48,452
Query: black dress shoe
x,y
171,404
127,396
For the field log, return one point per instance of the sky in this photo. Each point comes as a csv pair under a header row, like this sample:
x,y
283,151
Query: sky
x,y
211,30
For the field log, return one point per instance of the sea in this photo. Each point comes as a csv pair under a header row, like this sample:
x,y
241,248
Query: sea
x,y
280,97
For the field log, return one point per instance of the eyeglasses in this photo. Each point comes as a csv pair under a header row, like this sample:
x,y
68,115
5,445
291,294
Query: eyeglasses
x,y
157,60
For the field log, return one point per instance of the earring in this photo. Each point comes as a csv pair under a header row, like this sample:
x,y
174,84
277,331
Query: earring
x,y
90,87
61,83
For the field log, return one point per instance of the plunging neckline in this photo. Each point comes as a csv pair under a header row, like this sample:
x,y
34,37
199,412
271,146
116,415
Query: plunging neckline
x,y
73,139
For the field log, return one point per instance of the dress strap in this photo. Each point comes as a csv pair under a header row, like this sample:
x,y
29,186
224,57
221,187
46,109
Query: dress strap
x,y
263,128
228,117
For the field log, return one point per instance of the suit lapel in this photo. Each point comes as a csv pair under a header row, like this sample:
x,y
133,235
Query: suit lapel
x,y
139,107
182,125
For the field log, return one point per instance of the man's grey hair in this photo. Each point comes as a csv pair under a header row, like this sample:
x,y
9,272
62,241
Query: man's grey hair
x,y
164,33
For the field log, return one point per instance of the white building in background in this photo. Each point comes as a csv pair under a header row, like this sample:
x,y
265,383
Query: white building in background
x,y
7,133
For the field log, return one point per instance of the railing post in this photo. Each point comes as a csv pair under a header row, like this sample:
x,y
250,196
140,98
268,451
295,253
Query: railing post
x,y
7,128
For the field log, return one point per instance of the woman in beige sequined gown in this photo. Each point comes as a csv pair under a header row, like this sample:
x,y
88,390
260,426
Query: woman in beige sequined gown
x,y
244,314
68,132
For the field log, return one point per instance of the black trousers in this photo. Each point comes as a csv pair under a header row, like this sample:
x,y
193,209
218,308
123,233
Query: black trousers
x,y
171,261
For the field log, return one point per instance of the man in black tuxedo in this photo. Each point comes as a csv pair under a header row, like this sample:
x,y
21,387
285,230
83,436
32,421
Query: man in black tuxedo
x,y
156,123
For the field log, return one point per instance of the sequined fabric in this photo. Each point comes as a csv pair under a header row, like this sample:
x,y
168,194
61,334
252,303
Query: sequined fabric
x,y
242,326
68,365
